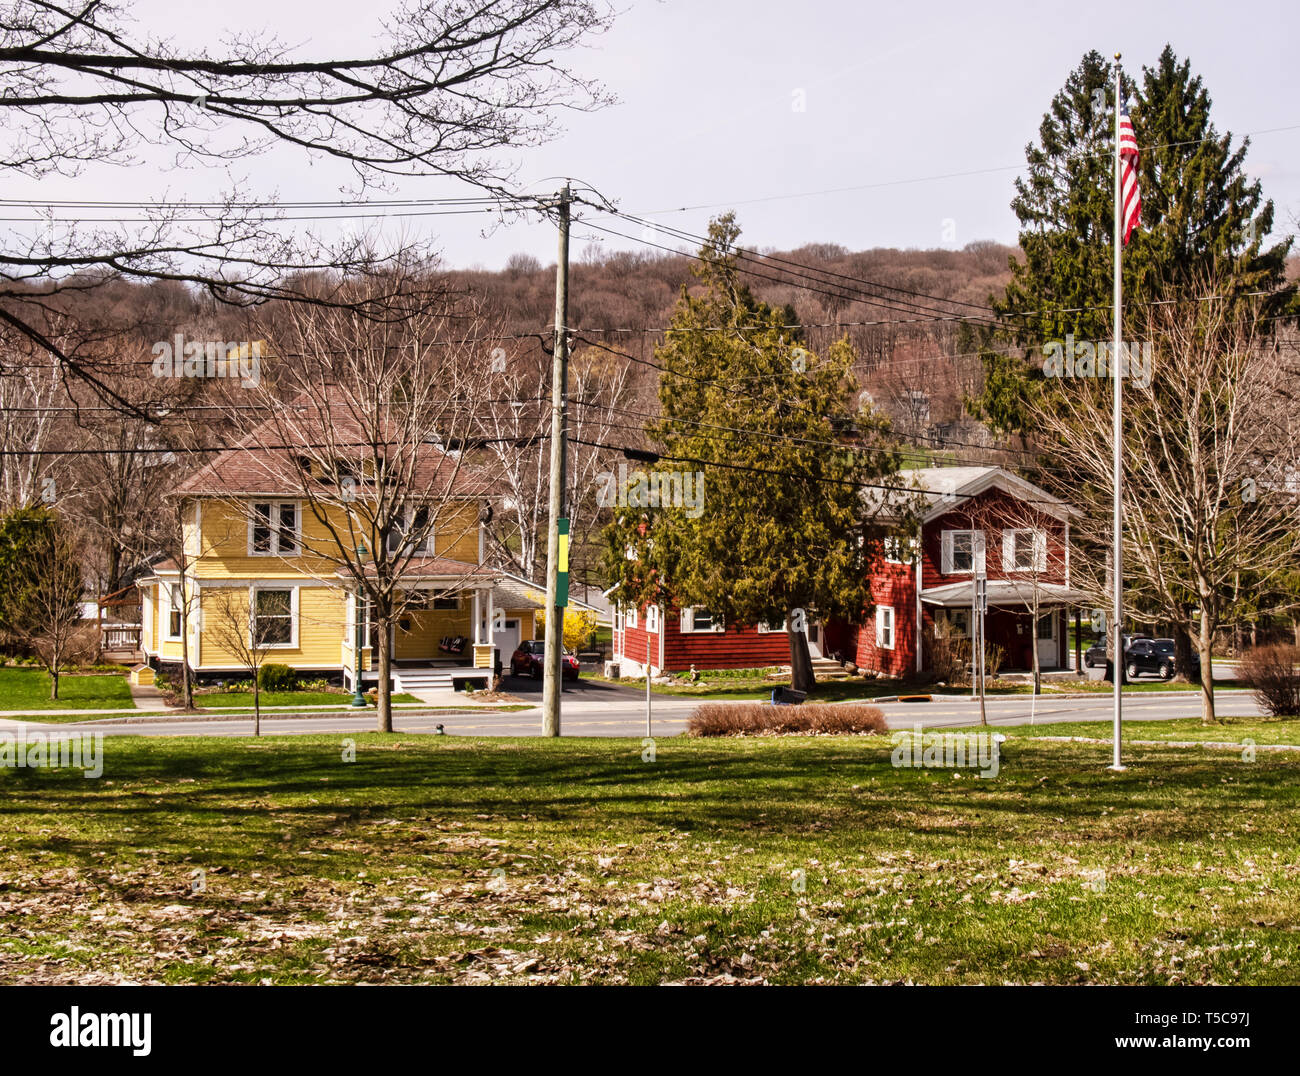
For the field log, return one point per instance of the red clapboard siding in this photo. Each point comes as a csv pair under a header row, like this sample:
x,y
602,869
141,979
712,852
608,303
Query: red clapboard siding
x,y
735,648
893,585
960,519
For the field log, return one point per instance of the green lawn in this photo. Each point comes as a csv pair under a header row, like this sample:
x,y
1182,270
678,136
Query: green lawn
x,y
723,689
1234,730
29,689
809,859
243,700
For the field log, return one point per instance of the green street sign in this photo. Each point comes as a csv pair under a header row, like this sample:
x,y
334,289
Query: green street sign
x,y
562,587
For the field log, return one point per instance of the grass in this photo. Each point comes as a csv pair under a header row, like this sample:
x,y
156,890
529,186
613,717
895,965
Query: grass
x,y
243,700
29,689
803,859
1234,730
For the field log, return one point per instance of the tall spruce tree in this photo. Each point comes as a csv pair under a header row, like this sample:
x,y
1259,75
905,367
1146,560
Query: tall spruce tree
x,y
1201,218
788,524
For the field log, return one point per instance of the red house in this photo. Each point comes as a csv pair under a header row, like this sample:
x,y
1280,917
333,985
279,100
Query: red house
x,y
974,520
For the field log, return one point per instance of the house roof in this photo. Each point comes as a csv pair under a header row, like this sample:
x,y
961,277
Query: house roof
x,y
263,462
426,567
537,592
939,489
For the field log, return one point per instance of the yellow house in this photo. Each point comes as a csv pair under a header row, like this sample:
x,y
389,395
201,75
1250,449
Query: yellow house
x,y
252,554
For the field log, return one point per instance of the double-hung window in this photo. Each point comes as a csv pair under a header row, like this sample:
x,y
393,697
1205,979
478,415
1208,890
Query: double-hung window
x,y
885,627
273,528
272,620
963,552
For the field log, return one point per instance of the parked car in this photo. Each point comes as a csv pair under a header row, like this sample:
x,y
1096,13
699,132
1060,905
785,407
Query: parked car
x,y
1095,655
1156,656
528,659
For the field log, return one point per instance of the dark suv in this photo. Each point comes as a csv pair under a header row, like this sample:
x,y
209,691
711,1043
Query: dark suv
x,y
1095,655
1154,656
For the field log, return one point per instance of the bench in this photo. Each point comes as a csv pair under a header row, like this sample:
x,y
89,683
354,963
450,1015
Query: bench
x,y
454,646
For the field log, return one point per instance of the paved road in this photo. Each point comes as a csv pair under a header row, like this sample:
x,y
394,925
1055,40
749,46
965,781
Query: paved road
x,y
591,709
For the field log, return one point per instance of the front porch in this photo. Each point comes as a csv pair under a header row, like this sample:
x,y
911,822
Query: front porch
x,y
1009,622
441,640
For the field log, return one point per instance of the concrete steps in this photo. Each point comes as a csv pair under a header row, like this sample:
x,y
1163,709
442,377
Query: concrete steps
x,y
414,681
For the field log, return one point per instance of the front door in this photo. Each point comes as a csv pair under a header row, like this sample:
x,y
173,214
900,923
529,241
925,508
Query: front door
x,y
814,639
1048,651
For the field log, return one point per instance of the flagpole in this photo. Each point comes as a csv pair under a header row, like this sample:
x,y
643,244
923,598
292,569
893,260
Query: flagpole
x,y
1117,436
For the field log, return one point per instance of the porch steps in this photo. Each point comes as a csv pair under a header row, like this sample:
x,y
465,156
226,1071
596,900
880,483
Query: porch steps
x,y
413,681
824,669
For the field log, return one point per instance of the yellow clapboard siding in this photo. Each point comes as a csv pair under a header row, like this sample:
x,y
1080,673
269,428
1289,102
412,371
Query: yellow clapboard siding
x,y
428,627
322,620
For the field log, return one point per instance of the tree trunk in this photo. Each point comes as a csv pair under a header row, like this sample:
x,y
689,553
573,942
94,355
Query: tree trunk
x,y
1033,646
1205,647
257,705
385,678
801,673
1183,653
54,680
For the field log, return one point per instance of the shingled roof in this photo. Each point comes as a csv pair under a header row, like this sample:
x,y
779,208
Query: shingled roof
x,y
261,465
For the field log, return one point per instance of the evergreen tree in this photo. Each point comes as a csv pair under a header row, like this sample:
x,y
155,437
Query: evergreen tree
x,y
787,525
1201,218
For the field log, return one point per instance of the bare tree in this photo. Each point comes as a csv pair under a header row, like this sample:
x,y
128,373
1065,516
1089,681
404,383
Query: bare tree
x,y
40,600
370,427
1208,441
232,622
445,89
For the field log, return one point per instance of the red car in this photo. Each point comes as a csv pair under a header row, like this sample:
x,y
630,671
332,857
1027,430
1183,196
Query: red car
x,y
527,661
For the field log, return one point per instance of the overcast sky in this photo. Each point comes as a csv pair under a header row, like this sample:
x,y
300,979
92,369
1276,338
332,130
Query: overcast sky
x,y
751,104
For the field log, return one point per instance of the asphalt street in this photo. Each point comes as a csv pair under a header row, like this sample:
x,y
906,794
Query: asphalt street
x,y
595,709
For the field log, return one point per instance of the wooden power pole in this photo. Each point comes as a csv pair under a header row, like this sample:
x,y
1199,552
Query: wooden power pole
x,y
556,546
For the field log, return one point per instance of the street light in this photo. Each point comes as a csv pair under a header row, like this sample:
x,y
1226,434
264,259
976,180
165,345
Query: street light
x,y
358,699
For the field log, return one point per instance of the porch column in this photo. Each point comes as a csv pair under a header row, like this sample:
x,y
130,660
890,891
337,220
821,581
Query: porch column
x,y
478,625
491,612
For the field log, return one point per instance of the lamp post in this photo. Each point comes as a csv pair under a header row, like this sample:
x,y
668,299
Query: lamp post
x,y
358,699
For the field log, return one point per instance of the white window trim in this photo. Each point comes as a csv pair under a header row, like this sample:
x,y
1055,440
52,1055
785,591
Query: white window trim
x,y
894,550
292,644
881,610
978,545
630,617
688,623
764,628
1010,546
652,619
274,551
170,589
427,546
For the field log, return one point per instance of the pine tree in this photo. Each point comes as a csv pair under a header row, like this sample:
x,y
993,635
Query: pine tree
x,y
787,521
1201,218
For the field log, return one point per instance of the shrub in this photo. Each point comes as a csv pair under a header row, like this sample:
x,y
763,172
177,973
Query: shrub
x,y
276,678
761,719
1273,674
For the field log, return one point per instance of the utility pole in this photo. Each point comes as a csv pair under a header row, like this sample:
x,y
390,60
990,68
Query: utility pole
x,y
559,444
648,728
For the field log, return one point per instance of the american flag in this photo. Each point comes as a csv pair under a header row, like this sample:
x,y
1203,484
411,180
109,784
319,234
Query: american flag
x,y
1130,196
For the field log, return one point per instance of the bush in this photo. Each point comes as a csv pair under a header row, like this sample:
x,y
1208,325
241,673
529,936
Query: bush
x,y
276,678
1273,674
762,719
